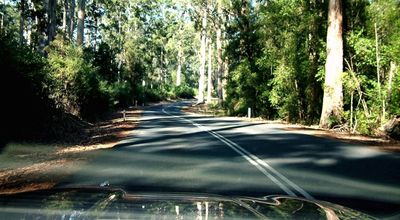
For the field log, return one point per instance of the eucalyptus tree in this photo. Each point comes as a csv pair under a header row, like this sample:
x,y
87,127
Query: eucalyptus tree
x,y
219,44
203,39
22,6
81,22
52,19
332,108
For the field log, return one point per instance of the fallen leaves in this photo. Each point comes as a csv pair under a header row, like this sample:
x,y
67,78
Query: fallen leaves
x,y
42,167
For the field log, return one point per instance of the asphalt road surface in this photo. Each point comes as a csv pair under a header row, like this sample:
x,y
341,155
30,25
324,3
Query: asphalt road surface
x,y
171,151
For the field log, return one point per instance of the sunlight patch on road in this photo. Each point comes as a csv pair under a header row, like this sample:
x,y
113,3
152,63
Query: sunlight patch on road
x,y
360,152
154,169
279,179
320,183
325,161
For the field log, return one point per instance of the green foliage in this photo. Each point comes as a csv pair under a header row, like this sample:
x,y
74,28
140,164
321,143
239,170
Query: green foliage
x,y
394,108
120,93
376,21
79,87
75,86
159,93
284,94
105,59
275,49
183,91
240,89
276,61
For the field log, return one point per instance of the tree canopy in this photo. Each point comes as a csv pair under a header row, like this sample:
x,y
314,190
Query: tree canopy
x,y
84,57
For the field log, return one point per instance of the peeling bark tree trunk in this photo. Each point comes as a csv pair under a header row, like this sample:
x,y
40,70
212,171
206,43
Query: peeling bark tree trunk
x,y
209,77
200,98
333,88
81,22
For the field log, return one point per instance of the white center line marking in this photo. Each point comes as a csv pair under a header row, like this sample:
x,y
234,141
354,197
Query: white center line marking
x,y
260,164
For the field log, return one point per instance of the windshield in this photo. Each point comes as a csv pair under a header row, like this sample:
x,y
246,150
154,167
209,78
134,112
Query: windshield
x,y
235,98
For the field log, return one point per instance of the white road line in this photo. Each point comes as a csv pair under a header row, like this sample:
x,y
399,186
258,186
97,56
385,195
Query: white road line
x,y
271,169
254,160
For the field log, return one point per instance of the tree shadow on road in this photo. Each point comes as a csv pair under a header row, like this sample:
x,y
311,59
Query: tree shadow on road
x,y
172,155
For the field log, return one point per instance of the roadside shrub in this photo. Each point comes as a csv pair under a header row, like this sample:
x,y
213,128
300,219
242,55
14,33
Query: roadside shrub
x,y
119,93
153,95
184,92
75,84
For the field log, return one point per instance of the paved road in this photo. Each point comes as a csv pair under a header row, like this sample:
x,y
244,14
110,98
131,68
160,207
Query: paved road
x,y
175,152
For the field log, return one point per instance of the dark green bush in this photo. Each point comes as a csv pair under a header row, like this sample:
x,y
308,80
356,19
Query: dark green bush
x,y
120,93
184,92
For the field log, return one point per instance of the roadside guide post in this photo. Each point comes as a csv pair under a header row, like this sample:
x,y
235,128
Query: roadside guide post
x,y
249,112
143,84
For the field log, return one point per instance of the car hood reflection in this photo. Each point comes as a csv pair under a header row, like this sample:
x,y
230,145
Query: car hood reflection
x,y
114,203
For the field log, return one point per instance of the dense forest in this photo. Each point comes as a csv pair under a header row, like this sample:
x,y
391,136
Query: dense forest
x,y
327,62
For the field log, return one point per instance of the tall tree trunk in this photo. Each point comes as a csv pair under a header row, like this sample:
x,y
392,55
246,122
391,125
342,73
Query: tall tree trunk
x,y
162,67
1,23
313,99
93,32
29,33
2,20
333,88
390,82
81,22
378,75
71,19
179,69
22,22
200,98
65,17
52,20
220,62
209,75
226,61
225,78
96,28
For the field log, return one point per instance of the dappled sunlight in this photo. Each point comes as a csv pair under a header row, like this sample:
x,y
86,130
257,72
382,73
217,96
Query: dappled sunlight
x,y
139,93
170,153
82,149
189,173
326,162
19,154
321,183
361,152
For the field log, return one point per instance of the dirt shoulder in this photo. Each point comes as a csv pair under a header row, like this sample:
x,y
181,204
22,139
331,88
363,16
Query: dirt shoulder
x,y
379,142
27,166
